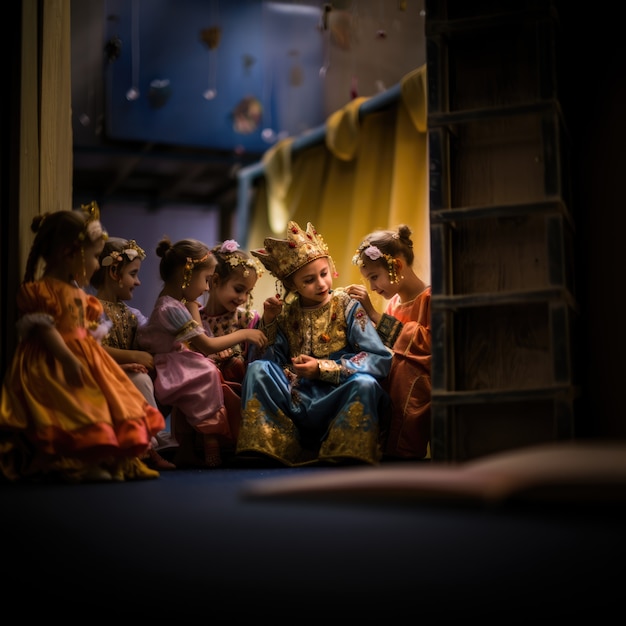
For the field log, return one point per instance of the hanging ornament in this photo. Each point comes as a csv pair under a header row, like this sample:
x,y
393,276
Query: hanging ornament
x,y
133,93
211,36
247,115
354,93
324,28
381,32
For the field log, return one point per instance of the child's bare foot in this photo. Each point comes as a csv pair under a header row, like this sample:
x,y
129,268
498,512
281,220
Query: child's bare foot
x,y
157,462
212,454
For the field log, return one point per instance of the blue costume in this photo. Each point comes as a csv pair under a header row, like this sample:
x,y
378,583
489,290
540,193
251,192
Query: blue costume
x,y
332,419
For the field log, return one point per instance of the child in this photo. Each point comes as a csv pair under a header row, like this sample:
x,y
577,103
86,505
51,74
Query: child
x,y
114,282
204,406
229,307
68,410
385,259
316,395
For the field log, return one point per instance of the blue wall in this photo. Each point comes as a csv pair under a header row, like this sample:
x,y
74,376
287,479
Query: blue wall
x,y
269,51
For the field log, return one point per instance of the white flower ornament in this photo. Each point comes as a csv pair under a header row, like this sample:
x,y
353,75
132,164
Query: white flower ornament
x,y
373,252
131,253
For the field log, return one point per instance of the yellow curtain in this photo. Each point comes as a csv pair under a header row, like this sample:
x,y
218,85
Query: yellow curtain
x,y
371,172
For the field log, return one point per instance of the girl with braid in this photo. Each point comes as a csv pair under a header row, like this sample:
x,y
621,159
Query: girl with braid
x,y
69,412
205,410
385,259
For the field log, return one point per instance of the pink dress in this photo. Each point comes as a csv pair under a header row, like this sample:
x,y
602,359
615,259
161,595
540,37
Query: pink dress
x,y
185,379
408,433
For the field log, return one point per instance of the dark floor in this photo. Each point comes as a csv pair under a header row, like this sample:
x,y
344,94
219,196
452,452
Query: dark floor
x,y
189,547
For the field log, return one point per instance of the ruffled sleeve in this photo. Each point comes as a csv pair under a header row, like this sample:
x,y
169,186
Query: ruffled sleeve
x,y
177,320
93,309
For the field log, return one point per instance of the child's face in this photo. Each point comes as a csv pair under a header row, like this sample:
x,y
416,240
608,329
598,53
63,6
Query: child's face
x,y
127,279
235,292
88,261
313,282
376,275
200,280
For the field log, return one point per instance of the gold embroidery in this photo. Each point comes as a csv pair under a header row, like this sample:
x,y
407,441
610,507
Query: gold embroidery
x,y
122,334
388,329
273,435
317,332
352,435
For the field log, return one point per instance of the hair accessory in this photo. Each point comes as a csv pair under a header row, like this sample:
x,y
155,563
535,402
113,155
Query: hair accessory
x,y
374,253
234,260
93,228
282,257
189,267
131,252
230,245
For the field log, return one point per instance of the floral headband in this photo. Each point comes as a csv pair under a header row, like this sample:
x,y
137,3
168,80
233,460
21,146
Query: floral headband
x,y
131,252
234,260
93,228
374,253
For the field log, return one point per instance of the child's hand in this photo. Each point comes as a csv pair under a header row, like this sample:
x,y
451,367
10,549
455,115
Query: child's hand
x,y
306,366
223,355
256,337
134,367
271,309
359,293
145,359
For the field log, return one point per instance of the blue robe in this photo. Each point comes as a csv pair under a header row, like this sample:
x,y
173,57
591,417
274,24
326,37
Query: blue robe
x,y
333,419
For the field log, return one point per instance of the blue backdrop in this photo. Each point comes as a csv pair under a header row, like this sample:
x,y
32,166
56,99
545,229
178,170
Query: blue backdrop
x,y
268,54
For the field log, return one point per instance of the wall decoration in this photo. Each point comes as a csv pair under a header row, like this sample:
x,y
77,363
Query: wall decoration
x,y
211,37
160,92
247,115
241,47
133,93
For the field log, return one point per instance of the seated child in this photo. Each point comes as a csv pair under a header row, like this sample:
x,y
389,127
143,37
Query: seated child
x,y
115,282
69,412
205,411
315,396
385,258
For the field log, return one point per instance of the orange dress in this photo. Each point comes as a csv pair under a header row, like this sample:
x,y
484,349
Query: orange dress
x,y
408,431
48,427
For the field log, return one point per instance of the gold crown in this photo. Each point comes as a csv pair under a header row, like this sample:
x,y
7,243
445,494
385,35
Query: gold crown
x,y
93,229
282,257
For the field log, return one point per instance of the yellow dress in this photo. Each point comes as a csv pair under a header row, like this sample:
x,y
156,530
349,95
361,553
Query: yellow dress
x,y
48,428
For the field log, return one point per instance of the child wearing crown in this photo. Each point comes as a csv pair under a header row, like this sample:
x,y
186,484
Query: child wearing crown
x,y
69,412
315,395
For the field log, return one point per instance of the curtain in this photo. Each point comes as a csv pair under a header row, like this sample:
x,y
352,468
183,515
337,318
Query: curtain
x,y
371,172
43,143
